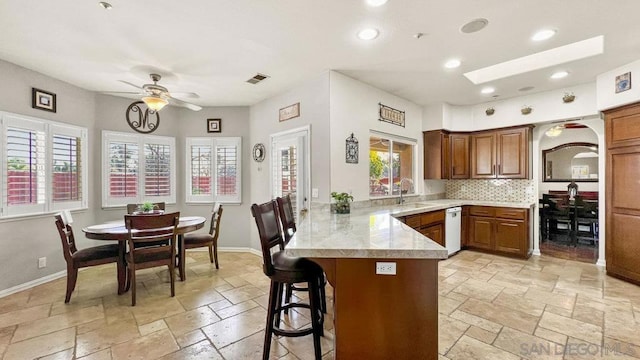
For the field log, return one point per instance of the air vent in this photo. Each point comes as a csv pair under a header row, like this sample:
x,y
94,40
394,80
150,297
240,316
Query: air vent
x,y
257,78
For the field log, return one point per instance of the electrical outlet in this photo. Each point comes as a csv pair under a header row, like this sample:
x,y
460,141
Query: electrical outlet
x,y
314,193
42,263
385,268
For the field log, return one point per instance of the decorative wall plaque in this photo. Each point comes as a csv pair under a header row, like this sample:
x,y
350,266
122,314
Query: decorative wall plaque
x,y
258,152
143,121
623,82
391,115
352,150
289,112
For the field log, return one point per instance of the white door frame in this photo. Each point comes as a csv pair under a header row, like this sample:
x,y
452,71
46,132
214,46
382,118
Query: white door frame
x,y
305,132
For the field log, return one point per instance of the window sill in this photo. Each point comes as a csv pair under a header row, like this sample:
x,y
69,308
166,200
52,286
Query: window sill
x,y
38,215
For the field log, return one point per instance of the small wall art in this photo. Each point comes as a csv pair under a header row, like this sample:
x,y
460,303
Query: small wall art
x,y
391,115
351,150
142,119
43,100
289,112
214,125
623,82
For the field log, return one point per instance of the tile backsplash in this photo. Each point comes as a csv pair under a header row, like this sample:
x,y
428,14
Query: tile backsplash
x,y
493,190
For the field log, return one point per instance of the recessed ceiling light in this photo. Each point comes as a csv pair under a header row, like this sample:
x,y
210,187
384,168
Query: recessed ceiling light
x,y
368,34
526,88
376,3
105,5
559,75
543,35
474,25
488,90
452,64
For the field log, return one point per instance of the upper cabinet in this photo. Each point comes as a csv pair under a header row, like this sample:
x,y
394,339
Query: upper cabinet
x,y
495,154
501,154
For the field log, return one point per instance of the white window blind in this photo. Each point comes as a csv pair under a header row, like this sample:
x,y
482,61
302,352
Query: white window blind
x,y
137,168
42,163
214,169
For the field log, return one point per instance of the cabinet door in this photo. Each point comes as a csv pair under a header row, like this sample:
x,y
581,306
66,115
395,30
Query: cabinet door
x,y
436,154
480,232
623,126
510,236
434,232
464,231
483,156
459,156
512,153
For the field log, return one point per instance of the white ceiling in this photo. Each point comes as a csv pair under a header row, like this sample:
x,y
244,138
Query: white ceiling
x,y
213,47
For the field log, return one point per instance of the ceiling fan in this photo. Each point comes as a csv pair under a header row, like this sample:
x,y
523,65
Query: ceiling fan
x,y
157,96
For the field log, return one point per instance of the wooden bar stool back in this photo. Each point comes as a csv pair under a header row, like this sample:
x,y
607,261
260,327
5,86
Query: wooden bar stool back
x,y
282,270
285,209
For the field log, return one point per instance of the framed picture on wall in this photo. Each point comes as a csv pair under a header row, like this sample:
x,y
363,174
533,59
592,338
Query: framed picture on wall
x,y
43,100
623,82
214,125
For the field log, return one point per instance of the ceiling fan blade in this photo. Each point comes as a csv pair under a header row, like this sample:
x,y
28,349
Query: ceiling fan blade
x,y
131,95
188,95
190,106
131,84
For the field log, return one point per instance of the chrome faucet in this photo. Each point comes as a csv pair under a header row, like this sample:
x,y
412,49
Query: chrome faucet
x,y
400,199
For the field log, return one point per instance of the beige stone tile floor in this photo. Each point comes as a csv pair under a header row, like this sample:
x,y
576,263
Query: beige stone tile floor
x,y
490,307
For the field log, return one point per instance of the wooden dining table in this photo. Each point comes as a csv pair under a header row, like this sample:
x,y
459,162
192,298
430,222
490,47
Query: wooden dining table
x,y
116,231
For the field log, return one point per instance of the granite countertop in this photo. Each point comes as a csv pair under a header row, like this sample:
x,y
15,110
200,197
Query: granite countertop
x,y
373,232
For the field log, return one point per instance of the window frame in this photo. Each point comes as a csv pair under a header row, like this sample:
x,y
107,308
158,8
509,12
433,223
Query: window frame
x,y
213,143
414,163
50,129
140,140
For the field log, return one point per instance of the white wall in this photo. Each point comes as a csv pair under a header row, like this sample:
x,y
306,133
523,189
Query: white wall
x,y
354,109
607,96
25,240
236,220
313,96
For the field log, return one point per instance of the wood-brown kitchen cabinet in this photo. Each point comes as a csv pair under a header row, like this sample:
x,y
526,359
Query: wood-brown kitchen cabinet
x,y
622,130
429,224
501,154
459,157
499,230
436,154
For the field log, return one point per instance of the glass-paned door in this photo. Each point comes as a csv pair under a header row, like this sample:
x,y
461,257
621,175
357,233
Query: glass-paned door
x,y
289,172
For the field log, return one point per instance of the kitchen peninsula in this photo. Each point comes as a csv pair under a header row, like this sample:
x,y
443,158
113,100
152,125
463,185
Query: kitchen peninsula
x,y
377,316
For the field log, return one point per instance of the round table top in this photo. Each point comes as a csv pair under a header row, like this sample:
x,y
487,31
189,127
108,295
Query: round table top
x,y
115,230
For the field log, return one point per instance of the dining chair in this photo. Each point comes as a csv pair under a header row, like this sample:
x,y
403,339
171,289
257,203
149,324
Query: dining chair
x,y
559,217
159,230
98,255
288,221
586,217
197,240
281,270
131,208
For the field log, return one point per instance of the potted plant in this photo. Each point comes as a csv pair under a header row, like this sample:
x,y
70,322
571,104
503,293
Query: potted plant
x,y
147,207
568,97
342,202
490,111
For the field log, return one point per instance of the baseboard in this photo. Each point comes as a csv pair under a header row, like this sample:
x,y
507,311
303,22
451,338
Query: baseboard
x,y
33,283
601,263
63,273
536,252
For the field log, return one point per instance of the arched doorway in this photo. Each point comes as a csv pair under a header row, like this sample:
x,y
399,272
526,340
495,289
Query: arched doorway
x,y
572,150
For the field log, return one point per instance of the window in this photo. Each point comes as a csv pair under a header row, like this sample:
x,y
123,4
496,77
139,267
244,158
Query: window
x,y
137,168
391,159
214,169
42,166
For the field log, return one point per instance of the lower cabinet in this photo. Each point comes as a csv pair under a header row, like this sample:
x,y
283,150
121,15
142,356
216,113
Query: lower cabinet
x,y
429,224
499,230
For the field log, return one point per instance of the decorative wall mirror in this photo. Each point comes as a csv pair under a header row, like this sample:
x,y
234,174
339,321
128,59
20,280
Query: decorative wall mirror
x,y
577,161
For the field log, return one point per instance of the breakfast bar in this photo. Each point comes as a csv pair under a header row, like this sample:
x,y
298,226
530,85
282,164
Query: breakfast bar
x,y
385,280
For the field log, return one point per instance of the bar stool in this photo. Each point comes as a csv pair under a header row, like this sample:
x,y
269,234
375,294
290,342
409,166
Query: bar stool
x,y
285,209
282,270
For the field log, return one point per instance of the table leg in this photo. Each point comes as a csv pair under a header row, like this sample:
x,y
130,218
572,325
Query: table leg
x,y
181,258
122,268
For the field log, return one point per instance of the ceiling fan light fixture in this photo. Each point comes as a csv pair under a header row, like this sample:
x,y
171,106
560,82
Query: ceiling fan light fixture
x,y
154,102
555,131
